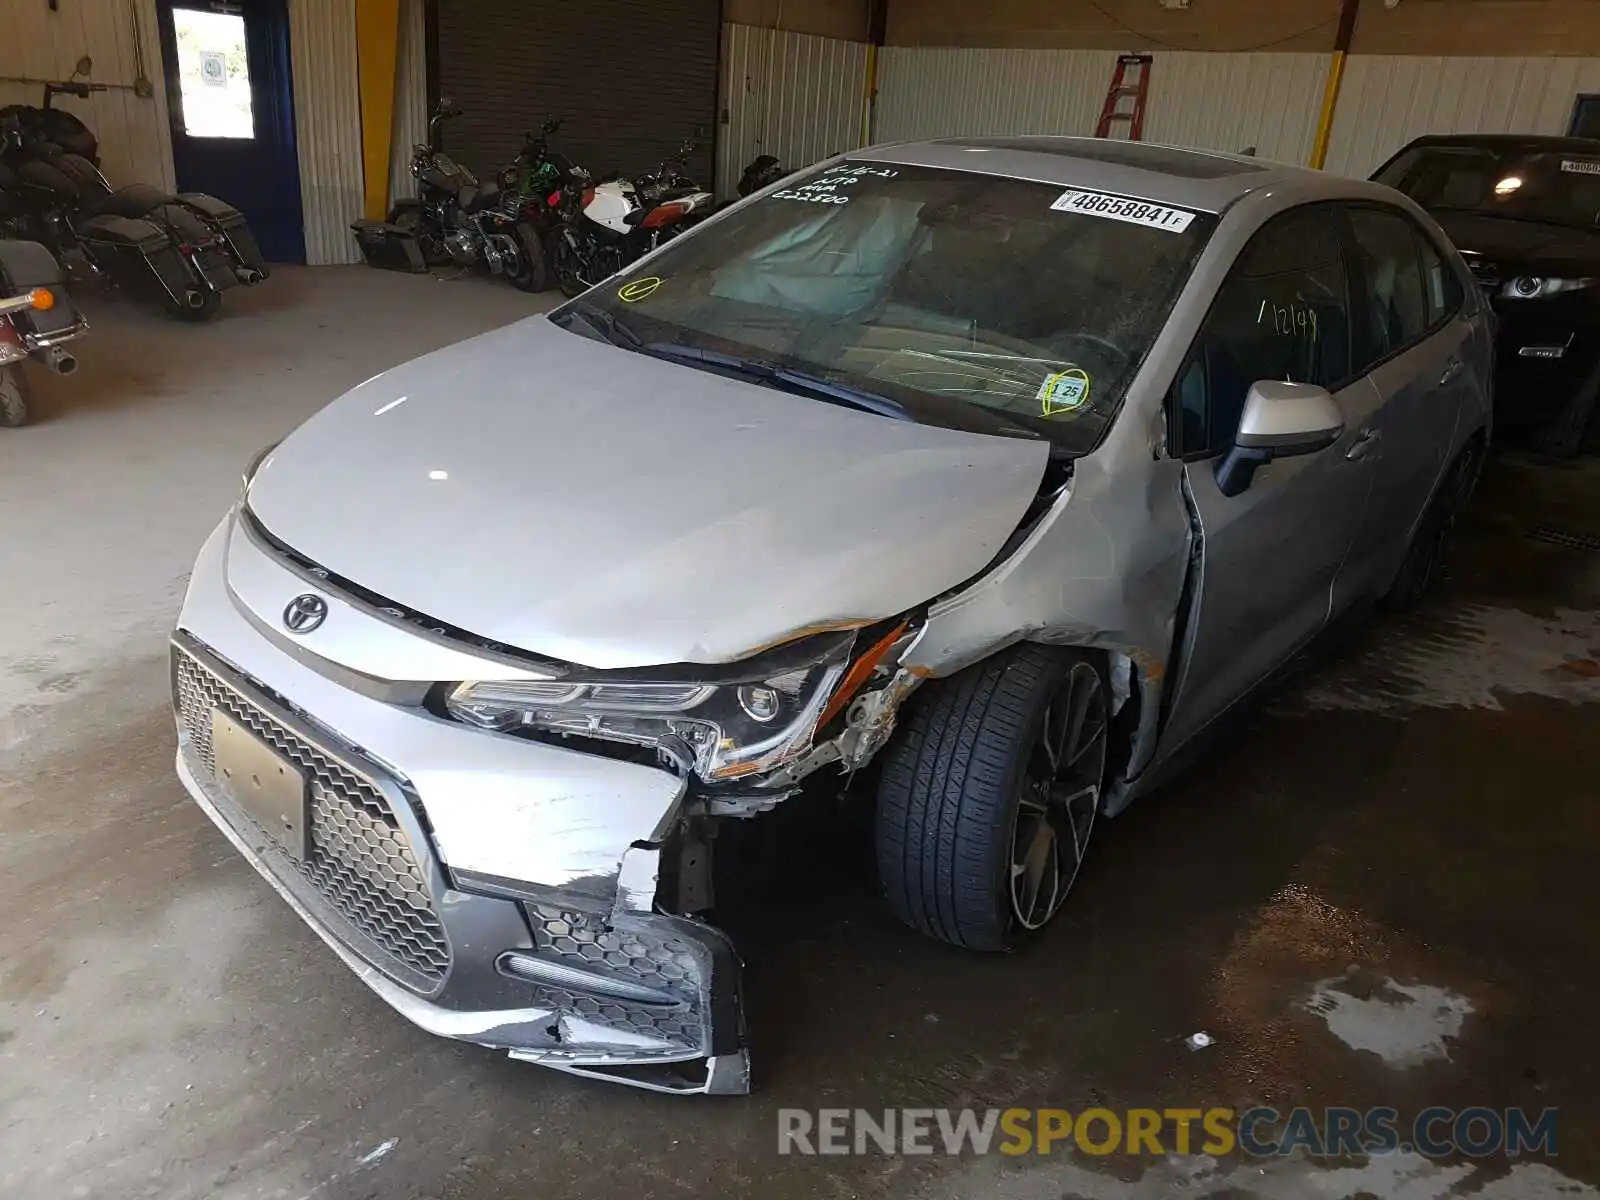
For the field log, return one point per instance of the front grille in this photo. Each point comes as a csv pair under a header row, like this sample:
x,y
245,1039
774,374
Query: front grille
x,y
359,862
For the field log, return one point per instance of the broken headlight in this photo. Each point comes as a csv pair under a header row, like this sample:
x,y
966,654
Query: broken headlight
x,y
722,730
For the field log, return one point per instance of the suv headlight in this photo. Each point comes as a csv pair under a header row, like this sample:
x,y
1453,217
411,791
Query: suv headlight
x,y
1539,287
723,730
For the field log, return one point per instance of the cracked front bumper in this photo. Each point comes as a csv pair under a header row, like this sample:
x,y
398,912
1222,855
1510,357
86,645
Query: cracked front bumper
x,y
551,967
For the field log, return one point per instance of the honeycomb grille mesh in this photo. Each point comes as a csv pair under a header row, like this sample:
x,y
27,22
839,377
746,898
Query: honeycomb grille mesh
x,y
666,964
358,859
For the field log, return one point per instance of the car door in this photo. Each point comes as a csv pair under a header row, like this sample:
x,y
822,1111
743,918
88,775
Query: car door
x,y
1414,344
1269,555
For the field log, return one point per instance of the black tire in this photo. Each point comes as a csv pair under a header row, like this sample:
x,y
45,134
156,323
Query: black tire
x,y
1562,436
1424,560
960,788
533,268
564,265
13,397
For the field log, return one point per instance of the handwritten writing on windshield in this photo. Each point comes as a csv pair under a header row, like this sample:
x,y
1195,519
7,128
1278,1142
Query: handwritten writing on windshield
x,y
825,188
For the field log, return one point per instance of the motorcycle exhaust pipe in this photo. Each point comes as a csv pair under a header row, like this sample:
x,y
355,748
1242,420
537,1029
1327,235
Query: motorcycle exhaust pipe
x,y
194,298
60,361
248,276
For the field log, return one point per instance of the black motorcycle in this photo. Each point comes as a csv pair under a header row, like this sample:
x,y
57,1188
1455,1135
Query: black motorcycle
x,y
762,171
456,219
37,319
182,251
607,226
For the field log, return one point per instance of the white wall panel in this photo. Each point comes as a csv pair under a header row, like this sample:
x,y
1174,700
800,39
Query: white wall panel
x,y
410,98
35,43
327,120
792,95
1387,100
1231,101
1213,101
939,91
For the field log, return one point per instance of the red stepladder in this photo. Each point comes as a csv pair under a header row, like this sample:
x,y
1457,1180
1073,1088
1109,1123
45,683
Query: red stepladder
x,y
1122,89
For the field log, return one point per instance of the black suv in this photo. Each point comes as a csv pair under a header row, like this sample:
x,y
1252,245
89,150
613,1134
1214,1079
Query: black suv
x,y
1525,213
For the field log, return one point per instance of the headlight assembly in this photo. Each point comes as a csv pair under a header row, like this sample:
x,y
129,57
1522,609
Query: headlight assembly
x,y
1539,287
722,730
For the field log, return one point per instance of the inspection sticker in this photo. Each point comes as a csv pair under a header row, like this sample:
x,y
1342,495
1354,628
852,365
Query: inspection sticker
x,y
1119,208
1064,391
1581,166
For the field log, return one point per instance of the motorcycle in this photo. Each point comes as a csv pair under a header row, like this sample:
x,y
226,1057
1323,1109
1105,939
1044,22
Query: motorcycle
x,y
608,226
37,318
455,219
182,251
763,171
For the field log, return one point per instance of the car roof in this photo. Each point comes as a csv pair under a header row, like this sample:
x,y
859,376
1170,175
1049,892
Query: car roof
x,y
1511,141
1201,179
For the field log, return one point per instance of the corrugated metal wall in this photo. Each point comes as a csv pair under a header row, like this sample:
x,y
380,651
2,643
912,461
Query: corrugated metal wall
x,y
1388,100
35,43
327,121
410,98
792,95
1214,101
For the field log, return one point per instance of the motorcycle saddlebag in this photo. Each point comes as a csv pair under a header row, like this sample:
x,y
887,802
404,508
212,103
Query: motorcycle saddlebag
x,y
140,257
210,251
28,265
231,225
389,247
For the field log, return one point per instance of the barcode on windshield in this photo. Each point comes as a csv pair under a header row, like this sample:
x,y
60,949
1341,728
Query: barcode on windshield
x,y
1119,208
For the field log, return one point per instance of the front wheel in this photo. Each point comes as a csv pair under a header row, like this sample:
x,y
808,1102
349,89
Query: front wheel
x,y
531,270
989,795
13,397
564,262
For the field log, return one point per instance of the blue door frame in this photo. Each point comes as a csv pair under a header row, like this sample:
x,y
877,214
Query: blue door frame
x,y
260,176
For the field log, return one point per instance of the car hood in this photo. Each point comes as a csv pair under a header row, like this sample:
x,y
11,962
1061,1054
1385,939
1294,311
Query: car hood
x,y
1522,247
584,502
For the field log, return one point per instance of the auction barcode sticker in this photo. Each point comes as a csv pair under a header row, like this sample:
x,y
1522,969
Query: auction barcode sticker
x,y
1581,166
1119,208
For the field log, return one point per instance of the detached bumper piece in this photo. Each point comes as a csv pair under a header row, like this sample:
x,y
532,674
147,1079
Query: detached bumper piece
x,y
389,247
646,999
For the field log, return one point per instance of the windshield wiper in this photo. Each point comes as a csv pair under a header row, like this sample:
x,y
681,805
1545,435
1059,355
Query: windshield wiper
x,y
762,371
604,323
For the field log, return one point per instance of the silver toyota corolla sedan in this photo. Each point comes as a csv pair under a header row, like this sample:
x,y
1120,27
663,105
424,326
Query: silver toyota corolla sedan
x,y
1009,464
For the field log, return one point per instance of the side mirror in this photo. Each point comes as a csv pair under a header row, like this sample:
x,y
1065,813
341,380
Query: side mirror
x,y
1280,420
550,125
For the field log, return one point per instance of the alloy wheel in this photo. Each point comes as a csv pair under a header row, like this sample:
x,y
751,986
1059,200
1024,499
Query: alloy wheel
x,y
1060,795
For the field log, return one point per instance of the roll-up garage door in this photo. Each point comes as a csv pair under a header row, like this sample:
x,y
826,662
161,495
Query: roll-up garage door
x,y
630,79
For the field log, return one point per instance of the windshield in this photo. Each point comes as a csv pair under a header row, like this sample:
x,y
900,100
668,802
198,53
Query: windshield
x,y
981,303
1549,187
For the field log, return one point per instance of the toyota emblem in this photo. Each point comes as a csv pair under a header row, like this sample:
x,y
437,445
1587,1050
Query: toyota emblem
x,y
305,613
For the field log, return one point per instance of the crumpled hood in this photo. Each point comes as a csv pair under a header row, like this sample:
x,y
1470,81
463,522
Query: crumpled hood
x,y
598,506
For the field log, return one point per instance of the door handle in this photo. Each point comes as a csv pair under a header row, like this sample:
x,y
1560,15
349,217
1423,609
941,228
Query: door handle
x,y
1363,444
1452,368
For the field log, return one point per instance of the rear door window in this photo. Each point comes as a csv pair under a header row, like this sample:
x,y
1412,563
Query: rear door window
x,y
1388,262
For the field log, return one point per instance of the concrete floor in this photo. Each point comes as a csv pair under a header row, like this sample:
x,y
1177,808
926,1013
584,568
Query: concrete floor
x,y
1419,812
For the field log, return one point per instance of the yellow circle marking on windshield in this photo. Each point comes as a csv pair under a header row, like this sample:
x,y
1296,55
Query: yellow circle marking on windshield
x,y
1064,391
639,289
